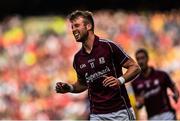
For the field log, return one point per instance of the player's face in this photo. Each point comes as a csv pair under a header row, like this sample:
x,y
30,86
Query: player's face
x,y
142,60
79,29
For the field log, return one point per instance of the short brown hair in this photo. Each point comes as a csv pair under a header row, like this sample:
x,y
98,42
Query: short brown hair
x,y
87,15
142,50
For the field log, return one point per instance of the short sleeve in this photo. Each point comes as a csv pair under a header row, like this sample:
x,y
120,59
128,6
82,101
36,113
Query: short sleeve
x,y
167,80
79,76
119,55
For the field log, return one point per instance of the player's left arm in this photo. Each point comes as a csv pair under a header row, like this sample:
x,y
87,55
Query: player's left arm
x,y
133,70
175,91
172,86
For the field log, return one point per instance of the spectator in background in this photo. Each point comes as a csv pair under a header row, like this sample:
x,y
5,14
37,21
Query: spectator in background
x,y
99,69
150,90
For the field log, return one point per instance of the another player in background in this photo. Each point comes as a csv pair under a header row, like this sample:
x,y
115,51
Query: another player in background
x,y
150,90
99,69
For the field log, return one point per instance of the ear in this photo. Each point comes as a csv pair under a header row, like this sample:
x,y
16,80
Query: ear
x,y
89,26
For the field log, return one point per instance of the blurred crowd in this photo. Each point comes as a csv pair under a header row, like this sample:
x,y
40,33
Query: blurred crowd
x,y
37,51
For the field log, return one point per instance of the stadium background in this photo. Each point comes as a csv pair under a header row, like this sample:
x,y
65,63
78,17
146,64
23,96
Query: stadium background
x,y
37,48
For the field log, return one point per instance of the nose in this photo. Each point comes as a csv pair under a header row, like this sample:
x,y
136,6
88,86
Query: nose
x,y
73,29
140,61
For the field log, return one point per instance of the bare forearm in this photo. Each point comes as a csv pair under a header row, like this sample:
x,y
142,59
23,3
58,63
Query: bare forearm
x,y
62,87
131,72
77,88
133,69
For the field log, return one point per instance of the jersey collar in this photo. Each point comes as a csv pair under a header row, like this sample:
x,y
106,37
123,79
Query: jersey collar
x,y
95,44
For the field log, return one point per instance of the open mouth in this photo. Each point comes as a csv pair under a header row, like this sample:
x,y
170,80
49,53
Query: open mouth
x,y
76,35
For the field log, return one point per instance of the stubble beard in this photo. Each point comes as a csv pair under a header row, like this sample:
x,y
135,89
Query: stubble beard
x,y
83,37
144,68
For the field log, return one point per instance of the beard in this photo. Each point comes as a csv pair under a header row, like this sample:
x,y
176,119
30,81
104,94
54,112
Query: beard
x,y
81,37
143,67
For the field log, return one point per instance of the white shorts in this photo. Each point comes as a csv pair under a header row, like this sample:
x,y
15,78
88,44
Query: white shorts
x,y
121,115
164,116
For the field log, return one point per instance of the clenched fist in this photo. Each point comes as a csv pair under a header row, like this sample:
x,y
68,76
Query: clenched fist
x,y
63,87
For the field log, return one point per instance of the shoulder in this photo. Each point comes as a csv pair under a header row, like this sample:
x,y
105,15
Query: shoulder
x,y
160,72
104,41
110,43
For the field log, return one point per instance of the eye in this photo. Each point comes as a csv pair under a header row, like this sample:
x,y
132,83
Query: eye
x,y
76,25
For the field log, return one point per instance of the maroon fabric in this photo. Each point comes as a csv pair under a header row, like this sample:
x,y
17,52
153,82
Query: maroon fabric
x,y
91,67
154,90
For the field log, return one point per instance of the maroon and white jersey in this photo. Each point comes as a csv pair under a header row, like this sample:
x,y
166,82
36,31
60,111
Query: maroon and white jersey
x,y
91,67
154,90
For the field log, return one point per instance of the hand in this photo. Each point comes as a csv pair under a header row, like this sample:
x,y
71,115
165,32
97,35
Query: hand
x,y
139,105
111,81
62,87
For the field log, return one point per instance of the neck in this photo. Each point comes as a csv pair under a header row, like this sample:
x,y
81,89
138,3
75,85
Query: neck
x,y
146,72
88,44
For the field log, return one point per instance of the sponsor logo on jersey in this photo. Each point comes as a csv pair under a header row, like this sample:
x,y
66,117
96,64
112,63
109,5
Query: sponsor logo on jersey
x,y
96,75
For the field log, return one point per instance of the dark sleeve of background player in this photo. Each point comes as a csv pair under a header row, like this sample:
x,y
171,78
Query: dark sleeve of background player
x,y
169,83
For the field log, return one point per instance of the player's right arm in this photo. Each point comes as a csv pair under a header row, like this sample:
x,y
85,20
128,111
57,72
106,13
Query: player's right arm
x,y
139,101
77,87
139,95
